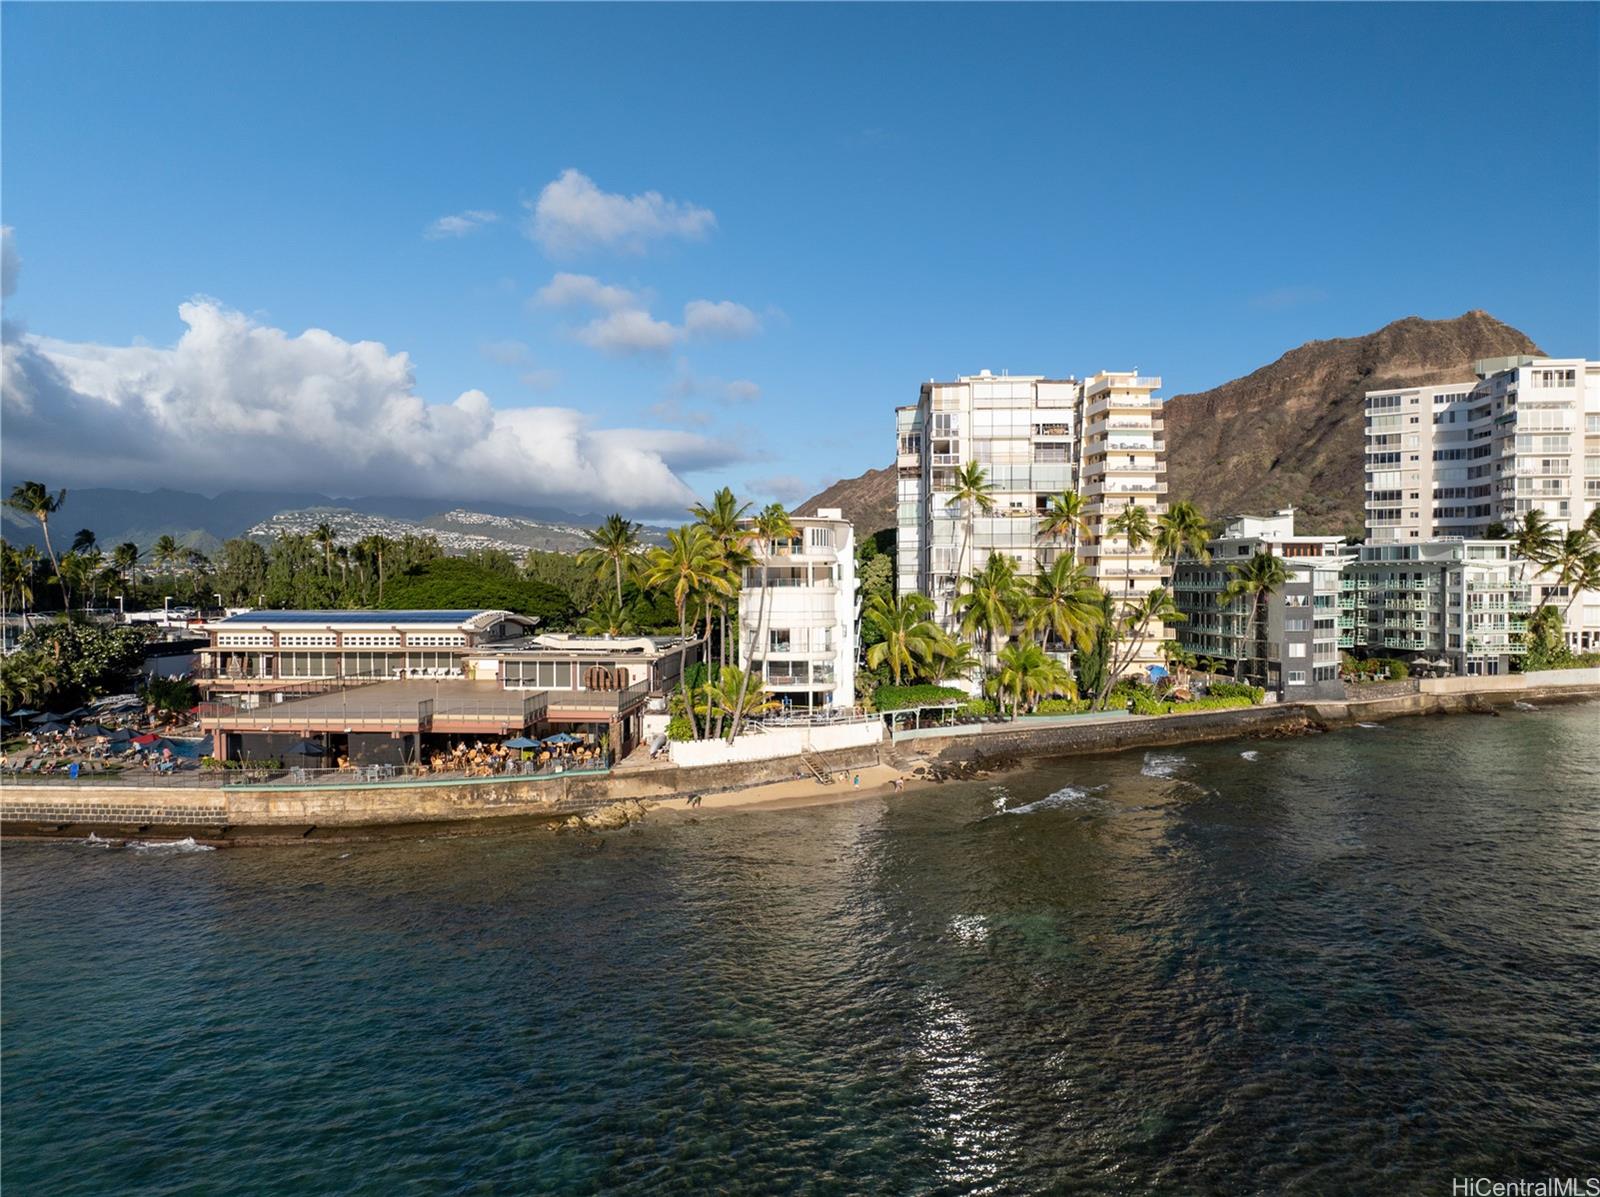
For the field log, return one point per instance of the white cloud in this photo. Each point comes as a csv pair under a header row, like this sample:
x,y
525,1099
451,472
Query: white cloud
x,y
631,330
741,390
10,263
460,224
235,403
723,319
584,290
572,215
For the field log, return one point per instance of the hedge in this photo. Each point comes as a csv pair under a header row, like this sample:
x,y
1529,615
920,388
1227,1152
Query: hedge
x,y
894,698
1255,694
1062,706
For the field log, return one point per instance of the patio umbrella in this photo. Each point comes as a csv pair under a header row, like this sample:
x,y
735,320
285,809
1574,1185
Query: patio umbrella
x,y
41,717
121,736
521,742
4,722
76,713
50,726
561,738
146,739
308,748
93,729
23,712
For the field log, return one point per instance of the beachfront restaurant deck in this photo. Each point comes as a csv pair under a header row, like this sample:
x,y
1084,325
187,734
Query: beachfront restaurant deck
x,y
502,686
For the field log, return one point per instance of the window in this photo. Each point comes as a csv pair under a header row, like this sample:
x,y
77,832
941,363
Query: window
x,y
1297,677
779,640
1297,649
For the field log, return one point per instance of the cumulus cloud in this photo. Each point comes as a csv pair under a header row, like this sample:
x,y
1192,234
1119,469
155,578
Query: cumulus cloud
x,y
236,403
584,290
572,215
460,224
629,331
719,319
10,263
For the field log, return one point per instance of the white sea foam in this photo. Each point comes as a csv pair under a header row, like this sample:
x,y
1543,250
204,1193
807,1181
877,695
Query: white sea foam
x,y
1524,706
1250,754
1163,764
1371,726
1065,796
95,841
186,844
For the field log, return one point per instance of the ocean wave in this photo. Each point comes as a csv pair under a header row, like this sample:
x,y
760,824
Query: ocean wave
x,y
1371,726
1163,764
969,928
1250,754
187,844
1524,706
1065,796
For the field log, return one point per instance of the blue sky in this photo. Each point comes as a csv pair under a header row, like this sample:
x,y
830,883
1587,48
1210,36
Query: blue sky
x,y
860,198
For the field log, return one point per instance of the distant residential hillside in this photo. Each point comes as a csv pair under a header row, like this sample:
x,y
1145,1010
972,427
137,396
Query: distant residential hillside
x,y
203,523
1291,433
1287,434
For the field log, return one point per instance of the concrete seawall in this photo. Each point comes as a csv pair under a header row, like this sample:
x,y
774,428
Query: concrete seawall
x,y
245,813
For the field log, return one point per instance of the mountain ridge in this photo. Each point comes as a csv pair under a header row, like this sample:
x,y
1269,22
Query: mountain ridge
x,y
1287,433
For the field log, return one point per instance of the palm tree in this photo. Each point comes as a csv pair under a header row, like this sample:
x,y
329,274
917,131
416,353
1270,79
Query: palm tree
x,y
1132,523
32,499
1128,632
612,547
166,552
124,559
991,601
909,636
1576,564
83,539
1064,603
1183,531
605,618
731,694
724,519
687,566
951,658
1064,519
324,535
1536,538
1257,579
771,526
975,493
1027,671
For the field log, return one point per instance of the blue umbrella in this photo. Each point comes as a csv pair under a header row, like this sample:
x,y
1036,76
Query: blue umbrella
x,y
521,742
561,738
23,713
4,722
41,717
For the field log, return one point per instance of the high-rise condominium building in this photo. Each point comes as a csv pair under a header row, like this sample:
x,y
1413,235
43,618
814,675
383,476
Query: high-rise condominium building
x,y
1454,459
1035,438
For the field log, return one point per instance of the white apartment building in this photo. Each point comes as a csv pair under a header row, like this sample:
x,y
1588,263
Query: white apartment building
x,y
1454,459
807,631
1035,437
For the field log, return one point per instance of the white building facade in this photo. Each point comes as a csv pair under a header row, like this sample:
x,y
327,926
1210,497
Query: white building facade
x,y
1454,459
1035,438
798,614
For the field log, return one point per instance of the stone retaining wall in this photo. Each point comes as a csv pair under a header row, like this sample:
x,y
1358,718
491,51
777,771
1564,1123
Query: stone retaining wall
x,y
68,809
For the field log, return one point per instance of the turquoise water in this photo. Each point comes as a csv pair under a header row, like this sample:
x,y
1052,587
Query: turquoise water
x,y
1363,962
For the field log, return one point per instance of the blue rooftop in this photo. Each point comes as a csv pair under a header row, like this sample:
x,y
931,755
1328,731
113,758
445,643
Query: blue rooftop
x,y
385,617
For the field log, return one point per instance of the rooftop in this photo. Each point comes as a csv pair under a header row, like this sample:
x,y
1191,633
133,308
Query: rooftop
x,y
476,618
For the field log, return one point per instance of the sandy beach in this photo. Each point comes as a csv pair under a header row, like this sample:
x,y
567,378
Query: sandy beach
x,y
798,792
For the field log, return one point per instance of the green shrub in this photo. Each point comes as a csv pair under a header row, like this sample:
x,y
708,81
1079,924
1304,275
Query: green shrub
x,y
978,707
1256,694
1210,704
678,728
1398,671
895,698
1062,706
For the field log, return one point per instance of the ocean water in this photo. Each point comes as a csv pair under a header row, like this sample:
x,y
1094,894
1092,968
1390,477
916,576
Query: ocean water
x,y
1364,962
